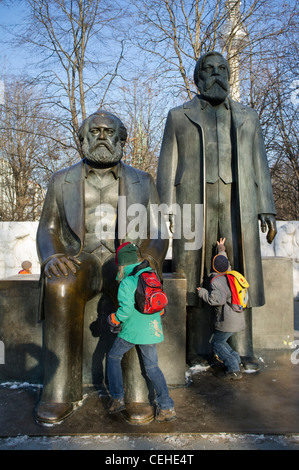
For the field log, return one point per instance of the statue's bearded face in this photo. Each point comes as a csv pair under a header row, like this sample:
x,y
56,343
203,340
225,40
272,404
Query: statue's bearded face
x,y
213,82
102,144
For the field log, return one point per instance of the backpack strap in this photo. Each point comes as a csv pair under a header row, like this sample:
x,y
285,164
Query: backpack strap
x,y
240,278
140,267
218,275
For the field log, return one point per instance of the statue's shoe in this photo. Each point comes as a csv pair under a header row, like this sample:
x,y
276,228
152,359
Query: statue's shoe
x,y
138,413
53,413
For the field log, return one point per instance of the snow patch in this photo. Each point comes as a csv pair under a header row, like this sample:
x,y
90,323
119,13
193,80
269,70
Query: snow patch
x,y
15,385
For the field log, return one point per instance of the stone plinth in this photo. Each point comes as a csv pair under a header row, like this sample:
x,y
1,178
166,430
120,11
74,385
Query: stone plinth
x,y
21,334
273,324
19,330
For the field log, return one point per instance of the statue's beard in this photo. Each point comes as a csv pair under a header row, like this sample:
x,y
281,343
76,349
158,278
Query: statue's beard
x,y
103,153
214,90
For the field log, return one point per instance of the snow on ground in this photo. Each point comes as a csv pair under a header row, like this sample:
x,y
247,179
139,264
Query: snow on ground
x,y
182,442
15,385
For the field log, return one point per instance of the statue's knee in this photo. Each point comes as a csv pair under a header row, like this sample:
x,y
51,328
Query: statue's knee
x,y
62,286
82,285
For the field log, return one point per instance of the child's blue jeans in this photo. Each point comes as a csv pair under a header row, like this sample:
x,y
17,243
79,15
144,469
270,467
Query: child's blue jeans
x,y
150,360
230,358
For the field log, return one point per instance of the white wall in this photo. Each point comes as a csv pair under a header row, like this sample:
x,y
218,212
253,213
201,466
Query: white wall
x,y
285,244
17,244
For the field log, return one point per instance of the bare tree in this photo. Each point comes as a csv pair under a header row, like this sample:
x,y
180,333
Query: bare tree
x,y
176,33
143,116
82,57
281,126
260,41
78,60
30,150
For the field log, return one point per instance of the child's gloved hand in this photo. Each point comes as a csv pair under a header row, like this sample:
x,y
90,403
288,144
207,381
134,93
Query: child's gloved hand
x,y
115,326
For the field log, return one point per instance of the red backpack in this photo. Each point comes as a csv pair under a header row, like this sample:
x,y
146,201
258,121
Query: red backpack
x,y
149,295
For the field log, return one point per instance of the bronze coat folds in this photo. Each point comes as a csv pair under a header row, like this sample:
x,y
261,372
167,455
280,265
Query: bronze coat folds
x,y
181,176
62,224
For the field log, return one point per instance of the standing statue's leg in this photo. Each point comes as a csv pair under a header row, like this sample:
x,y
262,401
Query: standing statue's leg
x,y
243,343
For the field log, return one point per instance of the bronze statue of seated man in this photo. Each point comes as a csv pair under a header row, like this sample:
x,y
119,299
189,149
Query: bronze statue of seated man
x,y
77,239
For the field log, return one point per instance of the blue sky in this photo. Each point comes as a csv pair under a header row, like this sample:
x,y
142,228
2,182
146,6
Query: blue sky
x,y
12,59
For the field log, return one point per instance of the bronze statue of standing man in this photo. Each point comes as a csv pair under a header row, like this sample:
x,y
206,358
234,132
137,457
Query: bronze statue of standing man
x,y
213,154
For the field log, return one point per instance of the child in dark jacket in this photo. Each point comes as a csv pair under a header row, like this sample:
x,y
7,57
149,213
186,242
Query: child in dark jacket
x,y
135,328
227,321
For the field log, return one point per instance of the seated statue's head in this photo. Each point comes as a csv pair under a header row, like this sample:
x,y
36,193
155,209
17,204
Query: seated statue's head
x,y
211,76
102,136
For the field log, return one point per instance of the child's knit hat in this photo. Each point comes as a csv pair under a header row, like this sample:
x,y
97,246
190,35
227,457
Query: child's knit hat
x,y
220,264
126,254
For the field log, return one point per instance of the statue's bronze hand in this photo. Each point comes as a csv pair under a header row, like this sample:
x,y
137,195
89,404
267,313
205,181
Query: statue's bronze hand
x,y
268,220
171,223
61,265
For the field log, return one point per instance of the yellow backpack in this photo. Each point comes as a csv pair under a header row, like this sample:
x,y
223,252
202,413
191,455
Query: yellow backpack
x,y
239,289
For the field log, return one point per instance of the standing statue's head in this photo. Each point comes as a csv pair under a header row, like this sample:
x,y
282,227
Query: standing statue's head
x,y
211,76
102,136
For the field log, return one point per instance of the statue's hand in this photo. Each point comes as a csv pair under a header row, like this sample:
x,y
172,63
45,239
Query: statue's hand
x,y
268,220
171,223
61,264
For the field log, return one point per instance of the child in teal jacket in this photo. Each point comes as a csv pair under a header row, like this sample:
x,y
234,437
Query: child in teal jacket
x,y
135,328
